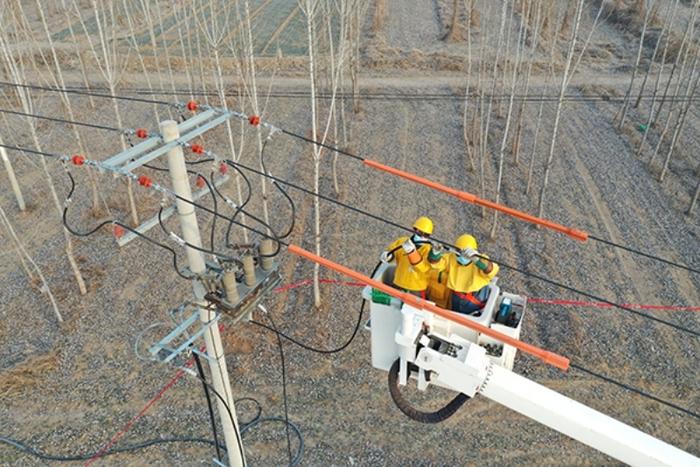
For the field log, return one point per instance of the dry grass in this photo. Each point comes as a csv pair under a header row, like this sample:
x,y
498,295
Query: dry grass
x,y
27,374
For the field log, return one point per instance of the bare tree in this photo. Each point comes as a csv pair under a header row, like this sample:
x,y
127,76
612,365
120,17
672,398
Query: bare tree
x,y
11,176
494,77
23,254
667,23
501,155
17,73
468,142
677,89
56,75
625,105
560,101
311,9
657,82
534,42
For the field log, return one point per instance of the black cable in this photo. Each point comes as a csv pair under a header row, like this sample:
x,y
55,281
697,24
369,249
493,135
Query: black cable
x,y
60,120
281,190
215,203
85,93
281,242
84,457
323,145
200,370
505,265
284,387
297,431
190,245
457,96
315,349
77,233
641,253
31,151
635,390
228,410
238,209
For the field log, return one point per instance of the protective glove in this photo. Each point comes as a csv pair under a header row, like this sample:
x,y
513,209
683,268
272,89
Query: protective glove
x,y
386,257
436,252
408,246
470,253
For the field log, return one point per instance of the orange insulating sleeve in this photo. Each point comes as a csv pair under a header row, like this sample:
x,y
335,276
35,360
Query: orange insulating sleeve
x,y
551,358
473,199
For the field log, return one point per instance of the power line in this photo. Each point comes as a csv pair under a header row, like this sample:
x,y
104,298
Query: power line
x,y
387,96
635,390
592,237
83,457
449,245
279,335
60,120
85,93
354,156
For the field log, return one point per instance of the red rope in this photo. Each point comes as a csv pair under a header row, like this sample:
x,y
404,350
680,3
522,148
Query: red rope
x,y
305,282
143,411
542,301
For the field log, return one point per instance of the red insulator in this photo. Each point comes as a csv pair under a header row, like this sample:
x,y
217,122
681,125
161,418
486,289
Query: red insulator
x,y
142,133
200,181
254,120
223,168
197,149
78,159
118,231
192,106
145,181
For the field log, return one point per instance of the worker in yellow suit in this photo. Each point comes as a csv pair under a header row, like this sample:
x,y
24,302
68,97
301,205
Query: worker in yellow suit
x,y
411,255
468,274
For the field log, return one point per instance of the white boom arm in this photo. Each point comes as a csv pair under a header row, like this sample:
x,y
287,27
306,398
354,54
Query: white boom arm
x,y
465,367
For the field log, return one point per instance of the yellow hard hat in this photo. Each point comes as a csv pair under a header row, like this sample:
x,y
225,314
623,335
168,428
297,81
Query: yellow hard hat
x,y
424,224
466,241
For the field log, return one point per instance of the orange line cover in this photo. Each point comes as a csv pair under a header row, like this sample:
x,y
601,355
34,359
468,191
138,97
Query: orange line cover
x,y
544,355
473,199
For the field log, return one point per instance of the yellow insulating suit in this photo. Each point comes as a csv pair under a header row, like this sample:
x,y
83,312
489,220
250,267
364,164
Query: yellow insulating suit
x,y
437,288
466,279
408,276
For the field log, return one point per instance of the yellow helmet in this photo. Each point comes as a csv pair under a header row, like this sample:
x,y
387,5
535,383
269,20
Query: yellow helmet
x,y
424,224
466,241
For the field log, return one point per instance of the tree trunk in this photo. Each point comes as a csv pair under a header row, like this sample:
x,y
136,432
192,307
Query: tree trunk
x,y
504,140
23,252
625,105
560,102
656,87
13,180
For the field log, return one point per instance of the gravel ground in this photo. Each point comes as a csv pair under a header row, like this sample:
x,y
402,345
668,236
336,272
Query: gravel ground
x,y
87,382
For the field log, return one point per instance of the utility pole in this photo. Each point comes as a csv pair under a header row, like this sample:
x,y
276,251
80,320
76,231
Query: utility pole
x,y
195,259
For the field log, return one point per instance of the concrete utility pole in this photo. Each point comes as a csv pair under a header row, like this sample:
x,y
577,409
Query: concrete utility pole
x,y
195,259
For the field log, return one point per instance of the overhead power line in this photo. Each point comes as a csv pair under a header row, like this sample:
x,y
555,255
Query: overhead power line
x,y
61,120
388,96
452,246
449,245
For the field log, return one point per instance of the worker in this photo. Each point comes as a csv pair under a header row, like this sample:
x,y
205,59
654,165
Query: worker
x,y
411,255
468,275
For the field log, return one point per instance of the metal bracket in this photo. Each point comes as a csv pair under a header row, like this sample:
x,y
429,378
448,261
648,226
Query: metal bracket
x,y
182,338
167,212
265,283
